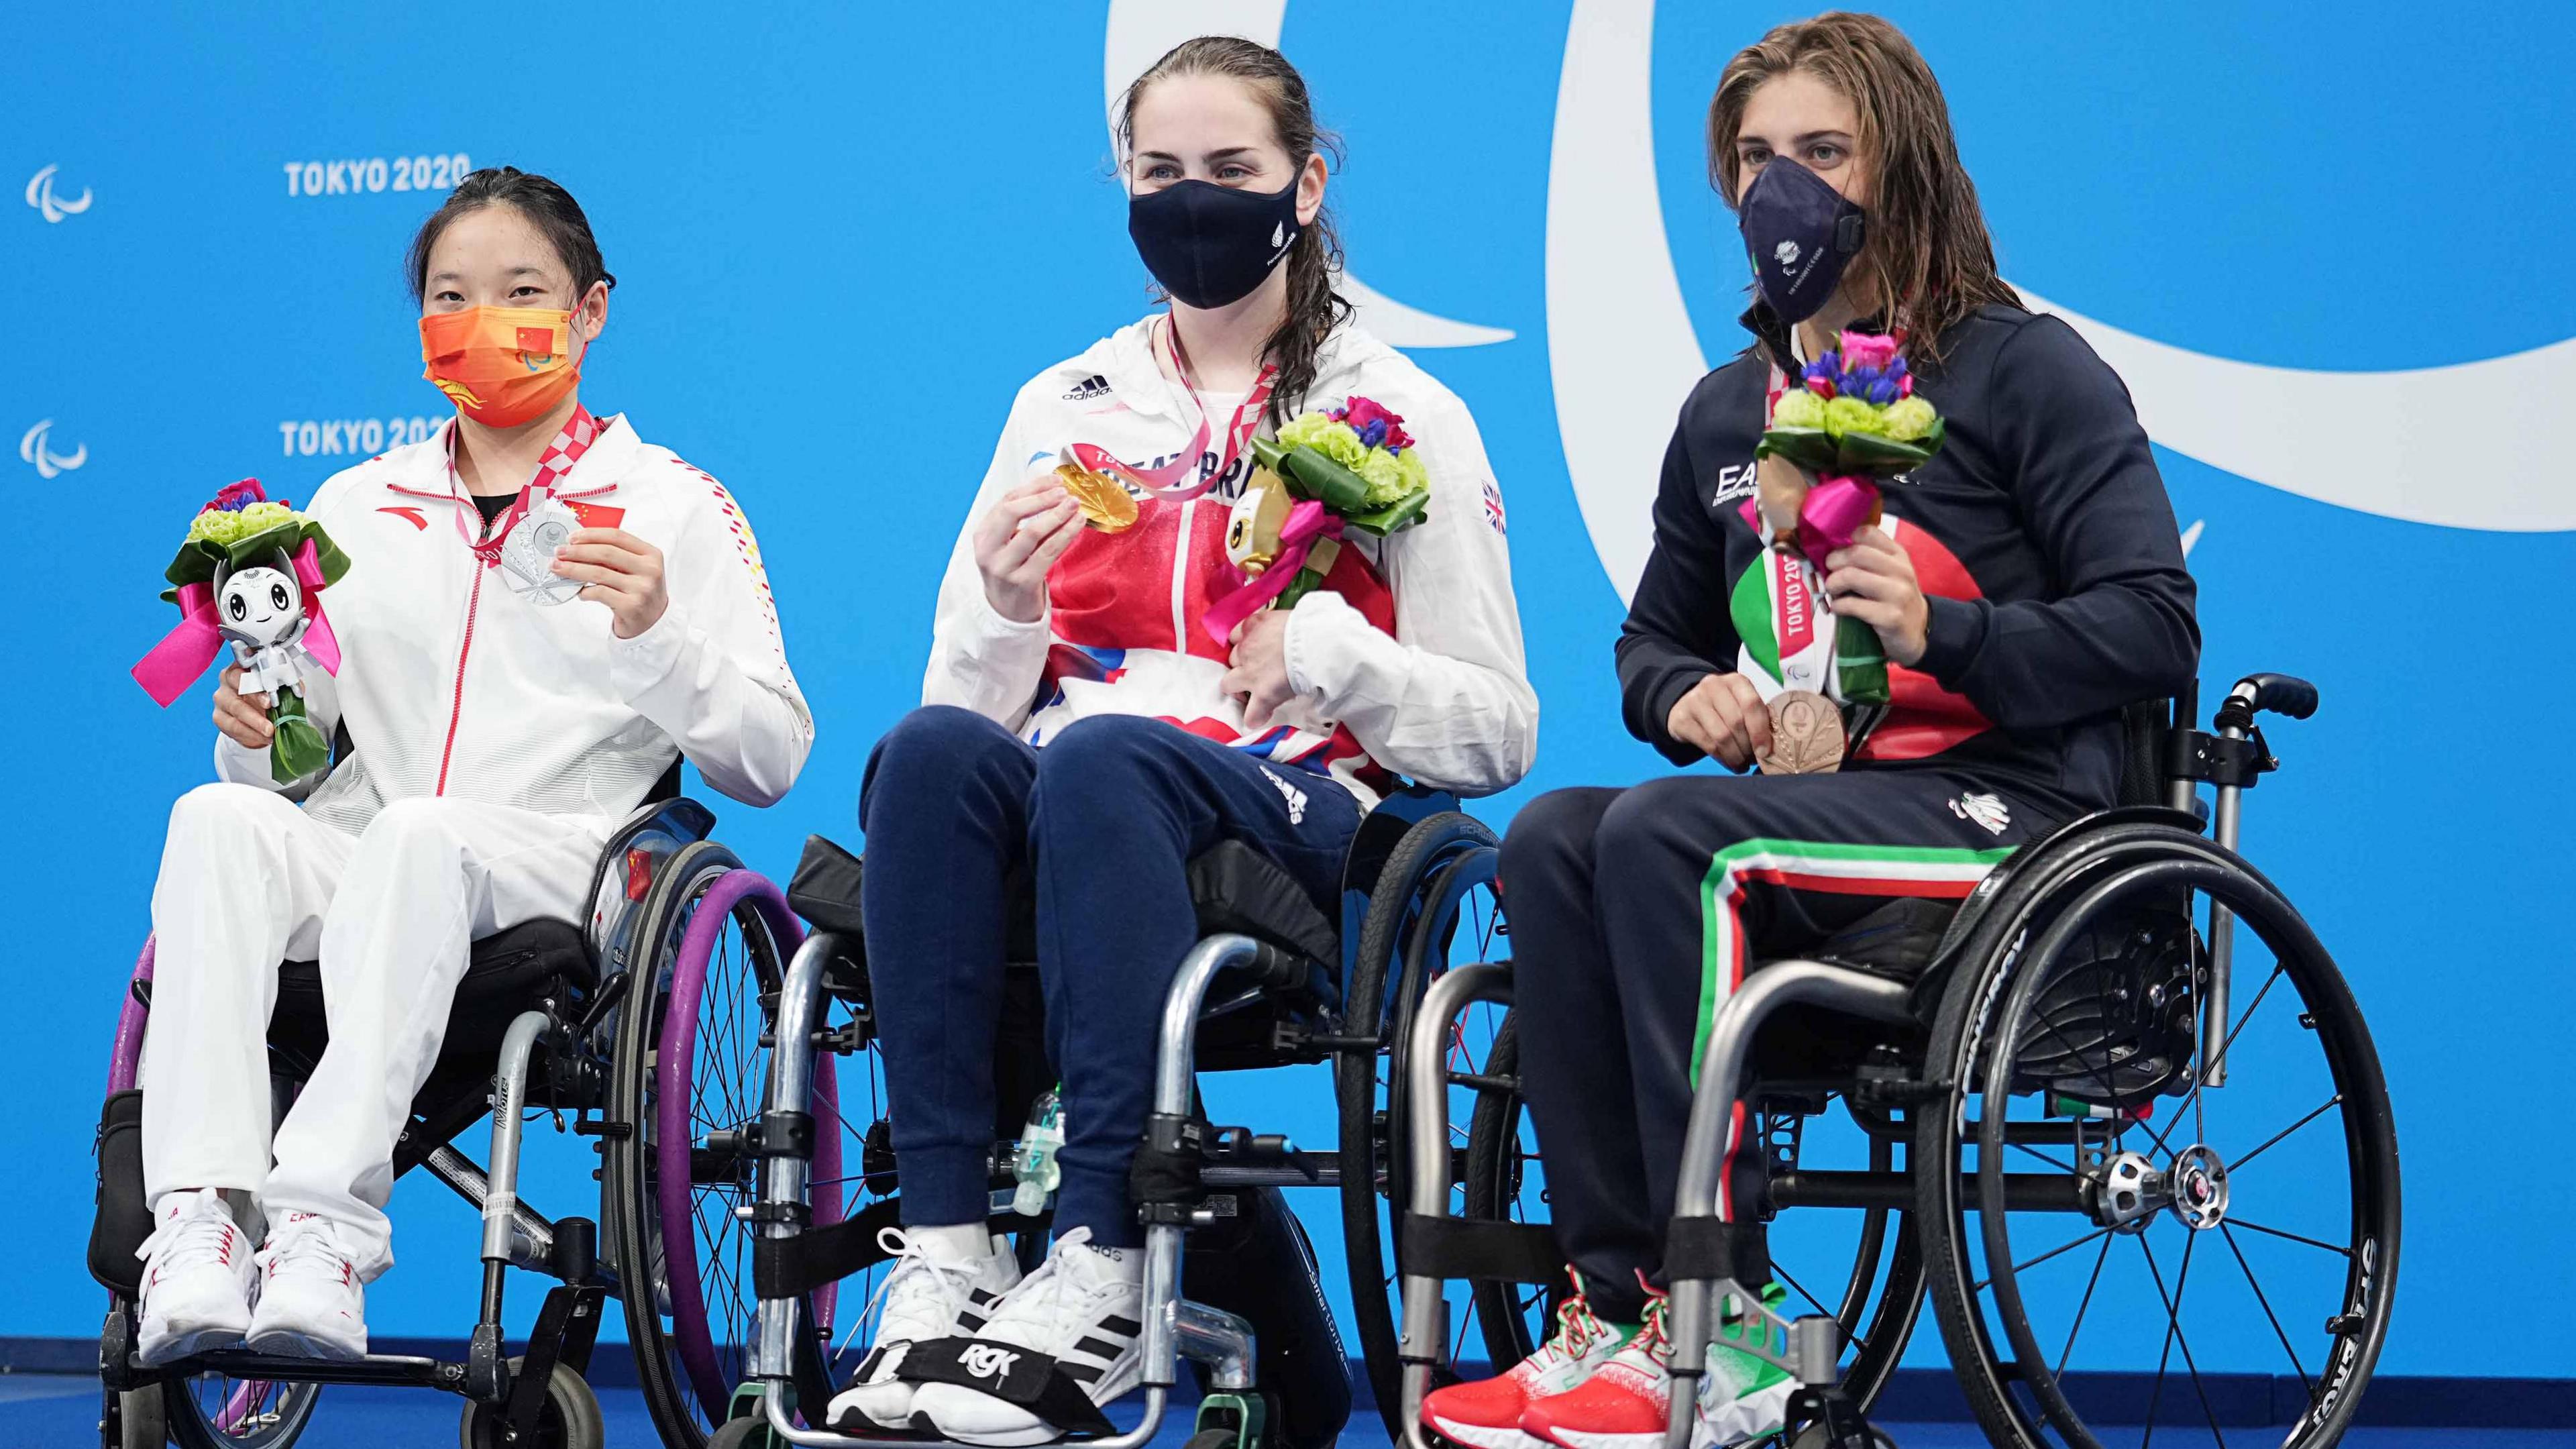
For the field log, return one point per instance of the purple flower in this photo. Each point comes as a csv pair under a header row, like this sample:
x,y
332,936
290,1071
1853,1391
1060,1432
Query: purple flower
x,y
1896,366
1882,392
1818,371
1374,434
1859,379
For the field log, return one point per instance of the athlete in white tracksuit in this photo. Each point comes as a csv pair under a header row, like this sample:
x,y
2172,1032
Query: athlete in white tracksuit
x,y
497,743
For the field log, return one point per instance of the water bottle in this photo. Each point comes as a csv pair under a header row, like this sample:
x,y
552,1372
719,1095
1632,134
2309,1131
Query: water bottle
x,y
1033,1165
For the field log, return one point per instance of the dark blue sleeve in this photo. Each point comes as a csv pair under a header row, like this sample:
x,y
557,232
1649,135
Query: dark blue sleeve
x,y
1678,626
2120,628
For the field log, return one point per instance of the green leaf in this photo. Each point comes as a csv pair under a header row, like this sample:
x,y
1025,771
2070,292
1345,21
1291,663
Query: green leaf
x,y
1809,448
1312,475
1403,513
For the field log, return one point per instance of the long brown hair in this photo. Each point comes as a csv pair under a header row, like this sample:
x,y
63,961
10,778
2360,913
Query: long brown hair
x,y
1315,258
1928,253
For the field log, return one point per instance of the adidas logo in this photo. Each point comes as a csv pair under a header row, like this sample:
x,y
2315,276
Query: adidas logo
x,y
1089,388
1295,797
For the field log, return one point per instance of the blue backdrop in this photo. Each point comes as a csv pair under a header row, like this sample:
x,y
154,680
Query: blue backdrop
x,y
843,239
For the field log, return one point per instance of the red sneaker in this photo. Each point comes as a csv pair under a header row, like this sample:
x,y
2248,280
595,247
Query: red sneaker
x,y
1486,1414
1627,1401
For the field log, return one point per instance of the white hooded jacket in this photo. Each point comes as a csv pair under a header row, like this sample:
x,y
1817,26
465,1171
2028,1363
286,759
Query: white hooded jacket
x,y
450,684
1442,696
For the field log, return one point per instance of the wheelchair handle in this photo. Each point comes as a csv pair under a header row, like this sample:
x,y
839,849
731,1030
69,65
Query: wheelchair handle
x,y
2283,694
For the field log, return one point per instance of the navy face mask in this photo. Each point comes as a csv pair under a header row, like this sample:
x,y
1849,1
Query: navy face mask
x,y
1801,233
1210,245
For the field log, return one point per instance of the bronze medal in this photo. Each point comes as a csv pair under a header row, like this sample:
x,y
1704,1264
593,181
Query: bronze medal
x,y
1806,735
1105,505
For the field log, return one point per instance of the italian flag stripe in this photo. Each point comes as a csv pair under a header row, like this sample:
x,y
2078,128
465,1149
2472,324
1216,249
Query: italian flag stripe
x,y
1871,870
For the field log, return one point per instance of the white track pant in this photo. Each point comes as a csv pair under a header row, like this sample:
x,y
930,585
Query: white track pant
x,y
248,880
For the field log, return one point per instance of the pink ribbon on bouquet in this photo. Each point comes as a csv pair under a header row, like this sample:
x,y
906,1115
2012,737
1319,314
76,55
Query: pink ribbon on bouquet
x,y
1834,510
1307,521
180,659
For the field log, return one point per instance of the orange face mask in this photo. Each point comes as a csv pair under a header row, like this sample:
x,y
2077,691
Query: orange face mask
x,y
501,366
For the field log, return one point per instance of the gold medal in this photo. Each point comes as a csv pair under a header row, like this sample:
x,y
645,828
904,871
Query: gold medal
x,y
1105,505
1806,735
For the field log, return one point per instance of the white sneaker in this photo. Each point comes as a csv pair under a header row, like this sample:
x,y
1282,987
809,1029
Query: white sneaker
x,y
1084,1308
933,1293
310,1302
198,1279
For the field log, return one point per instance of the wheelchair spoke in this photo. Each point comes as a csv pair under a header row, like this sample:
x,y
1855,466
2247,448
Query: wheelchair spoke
x,y
2260,1297
2174,1336
2042,1156
2331,1102
2293,1237
2017,1269
1858,1340
2083,1307
2191,1099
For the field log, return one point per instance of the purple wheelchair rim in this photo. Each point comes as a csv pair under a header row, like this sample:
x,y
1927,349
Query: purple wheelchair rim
x,y
125,1059
673,1077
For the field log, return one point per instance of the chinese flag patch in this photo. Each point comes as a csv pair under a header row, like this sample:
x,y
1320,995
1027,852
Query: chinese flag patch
x,y
538,341
593,515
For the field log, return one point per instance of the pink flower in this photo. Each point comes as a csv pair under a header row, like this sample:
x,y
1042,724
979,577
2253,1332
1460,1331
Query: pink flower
x,y
1822,387
1360,412
1905,385
1862,349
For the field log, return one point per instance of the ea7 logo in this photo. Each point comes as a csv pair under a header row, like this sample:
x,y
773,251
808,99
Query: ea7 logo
x,y
1734,481
34,448
985,1361
42,196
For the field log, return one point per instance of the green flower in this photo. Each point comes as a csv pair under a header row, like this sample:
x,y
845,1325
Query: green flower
x,y
224,526
1319,432
1390,476
1851,415
1799,408
1909,418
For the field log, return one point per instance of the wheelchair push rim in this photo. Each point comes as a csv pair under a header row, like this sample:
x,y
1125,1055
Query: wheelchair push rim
x,y
2206,1208
724,933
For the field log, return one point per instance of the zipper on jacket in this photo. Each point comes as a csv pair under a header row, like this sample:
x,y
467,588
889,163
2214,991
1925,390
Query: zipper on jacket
x,y
464,650
1180,581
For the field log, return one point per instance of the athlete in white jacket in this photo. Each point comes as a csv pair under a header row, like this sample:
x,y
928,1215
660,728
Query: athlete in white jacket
x,y
497,741
1082,732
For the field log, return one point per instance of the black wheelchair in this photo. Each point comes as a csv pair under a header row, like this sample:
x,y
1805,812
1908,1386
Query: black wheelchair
x,y
796,1159
2078,1069
575,1016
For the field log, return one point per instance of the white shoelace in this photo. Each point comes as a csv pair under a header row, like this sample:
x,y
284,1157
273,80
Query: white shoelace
x,y
911,1316
195,1237
306,1244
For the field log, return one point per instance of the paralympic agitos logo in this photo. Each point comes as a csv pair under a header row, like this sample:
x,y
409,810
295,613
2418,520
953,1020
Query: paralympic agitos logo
x,y
51,203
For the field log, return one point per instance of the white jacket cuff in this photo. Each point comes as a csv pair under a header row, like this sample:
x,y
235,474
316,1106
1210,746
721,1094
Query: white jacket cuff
x,y
636,665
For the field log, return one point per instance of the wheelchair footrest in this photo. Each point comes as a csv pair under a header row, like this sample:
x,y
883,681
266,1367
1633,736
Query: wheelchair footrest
x,y
1490,1252
1015,1375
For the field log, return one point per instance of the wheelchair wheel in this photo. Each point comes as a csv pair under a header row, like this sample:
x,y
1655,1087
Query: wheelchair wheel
x,y
2122,1205
212,1411
1506,1181
570,1418
1435,906
689,1074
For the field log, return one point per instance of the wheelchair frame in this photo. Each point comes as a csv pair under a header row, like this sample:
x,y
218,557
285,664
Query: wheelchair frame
x,y
1702,1251
513,1234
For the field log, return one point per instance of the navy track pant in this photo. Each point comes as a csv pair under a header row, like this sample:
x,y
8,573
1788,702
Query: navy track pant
x,y
1635,912
1103,821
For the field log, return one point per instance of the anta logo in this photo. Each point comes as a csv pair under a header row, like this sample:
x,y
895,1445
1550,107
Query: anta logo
x,y
1094,386
36,448
44,198
407,515
984,1361
1734,481
1786,253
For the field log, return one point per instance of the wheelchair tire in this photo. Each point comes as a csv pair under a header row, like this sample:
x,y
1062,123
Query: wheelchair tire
x,y
134,1419
1513,1316
570,1418
2083,943
689,1346
211,1411
1422,897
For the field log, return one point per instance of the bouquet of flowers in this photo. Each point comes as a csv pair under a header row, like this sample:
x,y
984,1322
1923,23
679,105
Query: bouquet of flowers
x,y
1852,421
250,575
1347,469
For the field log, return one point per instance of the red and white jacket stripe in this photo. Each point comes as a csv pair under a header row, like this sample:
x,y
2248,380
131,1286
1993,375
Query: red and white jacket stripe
x,y
1412,663
452,685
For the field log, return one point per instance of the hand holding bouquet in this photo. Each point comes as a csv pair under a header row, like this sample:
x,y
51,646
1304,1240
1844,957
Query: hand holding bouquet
x,y
250,576
1347,469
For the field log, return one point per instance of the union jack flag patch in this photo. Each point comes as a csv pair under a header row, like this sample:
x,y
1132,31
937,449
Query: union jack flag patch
x,y
1494,504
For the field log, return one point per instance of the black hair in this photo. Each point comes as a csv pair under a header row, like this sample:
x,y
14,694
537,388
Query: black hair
x,y
547,206
1314,259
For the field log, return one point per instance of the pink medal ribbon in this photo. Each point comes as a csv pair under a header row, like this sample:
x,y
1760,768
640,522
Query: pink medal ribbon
x,y
1179,480
181,658
1307,521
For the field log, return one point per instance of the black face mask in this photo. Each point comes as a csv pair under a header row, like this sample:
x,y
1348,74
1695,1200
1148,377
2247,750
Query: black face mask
x,y
1210,245
1801,233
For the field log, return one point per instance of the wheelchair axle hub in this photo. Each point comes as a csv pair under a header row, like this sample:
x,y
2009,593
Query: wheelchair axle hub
x,y
2129,1190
